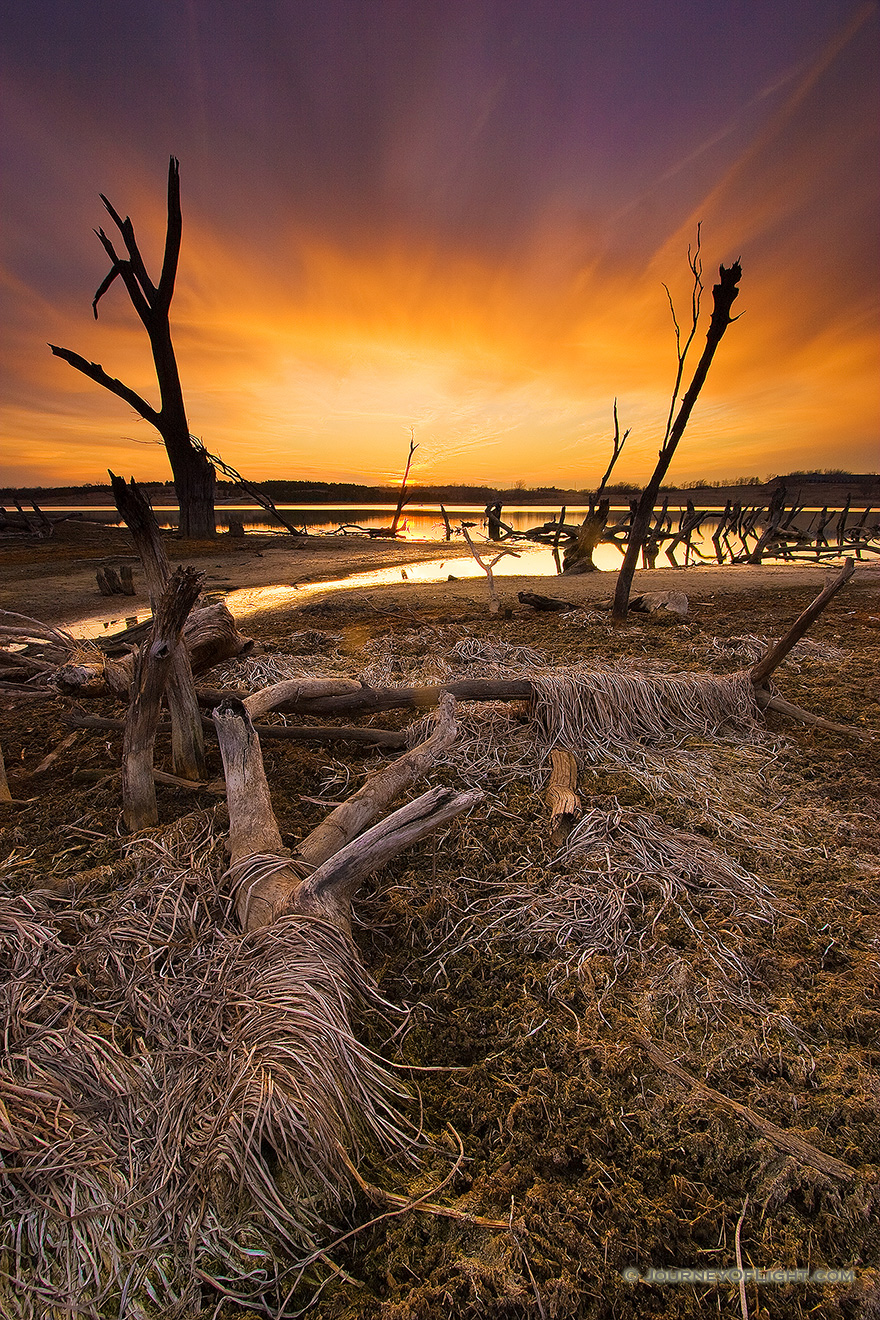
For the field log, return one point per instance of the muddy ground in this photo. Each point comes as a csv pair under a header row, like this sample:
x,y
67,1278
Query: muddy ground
x,y
597,1159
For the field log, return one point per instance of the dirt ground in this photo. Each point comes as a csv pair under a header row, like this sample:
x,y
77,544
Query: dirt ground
x,y
535,1051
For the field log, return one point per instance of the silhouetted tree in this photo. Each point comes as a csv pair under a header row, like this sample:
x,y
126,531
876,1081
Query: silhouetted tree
x,y
194,479
724,293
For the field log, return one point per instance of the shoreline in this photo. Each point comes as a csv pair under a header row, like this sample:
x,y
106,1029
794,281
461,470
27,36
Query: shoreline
x,y
55,580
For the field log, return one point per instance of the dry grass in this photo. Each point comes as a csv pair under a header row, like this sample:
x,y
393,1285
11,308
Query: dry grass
x,y
185,1108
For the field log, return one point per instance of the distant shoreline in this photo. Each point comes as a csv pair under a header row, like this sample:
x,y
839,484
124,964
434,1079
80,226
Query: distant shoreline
x,y
863,490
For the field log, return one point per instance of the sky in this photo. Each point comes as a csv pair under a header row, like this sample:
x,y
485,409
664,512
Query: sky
x,y
446,218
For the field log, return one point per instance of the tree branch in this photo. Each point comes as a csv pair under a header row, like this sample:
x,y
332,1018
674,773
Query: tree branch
x,y
162,300
96,372
777,653
126,229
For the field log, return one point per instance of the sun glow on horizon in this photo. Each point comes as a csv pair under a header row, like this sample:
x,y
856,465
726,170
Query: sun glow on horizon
x,y
313,332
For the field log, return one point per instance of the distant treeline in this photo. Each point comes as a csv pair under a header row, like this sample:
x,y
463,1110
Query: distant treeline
x,y
863,485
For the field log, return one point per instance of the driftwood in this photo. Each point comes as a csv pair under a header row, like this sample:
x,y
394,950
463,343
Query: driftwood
x,y
371,737
766,701
210,637
154,665
777,653
187,743
365,700
298,884
548,604
790,1142
561,795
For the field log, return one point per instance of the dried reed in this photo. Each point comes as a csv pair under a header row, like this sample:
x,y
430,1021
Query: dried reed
x,y
180,1105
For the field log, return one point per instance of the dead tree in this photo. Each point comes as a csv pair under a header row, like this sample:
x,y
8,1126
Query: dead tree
x,y
154,665
578,557
194,477
724,293
187,742
403,496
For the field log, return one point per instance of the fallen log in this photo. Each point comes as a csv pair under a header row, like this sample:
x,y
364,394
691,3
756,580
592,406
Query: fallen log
x,y
270,883
210,637
766,701
279,732
365,700
790,1142
548,604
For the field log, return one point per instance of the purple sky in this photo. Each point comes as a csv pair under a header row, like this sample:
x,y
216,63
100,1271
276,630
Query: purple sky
x,y
456,216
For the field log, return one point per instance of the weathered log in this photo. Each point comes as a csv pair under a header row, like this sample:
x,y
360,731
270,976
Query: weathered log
x,y
561,795
5,795
766,701
22,626
548,604
292,690
155,663
364,806
328,891
654,602
210,637
370,737
265,891
791,1142
777,653
366,700
187,742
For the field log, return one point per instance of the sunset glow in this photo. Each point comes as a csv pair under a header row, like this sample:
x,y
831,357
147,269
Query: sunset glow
x,y
453,217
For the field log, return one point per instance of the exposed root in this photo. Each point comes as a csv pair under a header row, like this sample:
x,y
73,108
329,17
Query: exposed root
x,y
180,1104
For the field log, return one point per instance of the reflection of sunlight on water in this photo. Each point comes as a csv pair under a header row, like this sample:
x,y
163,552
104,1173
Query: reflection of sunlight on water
x,y
530,561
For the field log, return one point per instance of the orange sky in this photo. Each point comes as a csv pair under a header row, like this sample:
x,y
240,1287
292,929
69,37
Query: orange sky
x,y
309,346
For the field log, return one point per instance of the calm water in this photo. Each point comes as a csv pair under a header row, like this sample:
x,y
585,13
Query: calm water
x,y
425,523
422,523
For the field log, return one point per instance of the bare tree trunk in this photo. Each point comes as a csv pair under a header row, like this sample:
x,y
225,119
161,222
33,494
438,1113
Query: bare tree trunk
x,y
194,479
578,558
187,742
155,662
724,293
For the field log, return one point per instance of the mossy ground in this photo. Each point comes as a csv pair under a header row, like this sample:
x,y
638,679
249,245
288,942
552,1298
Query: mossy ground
x,y
595,1159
